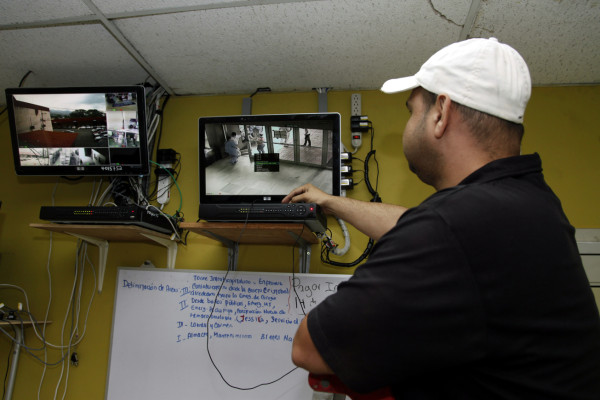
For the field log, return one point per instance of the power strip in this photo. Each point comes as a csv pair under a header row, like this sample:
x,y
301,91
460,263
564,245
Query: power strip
x,y
355,104
355,110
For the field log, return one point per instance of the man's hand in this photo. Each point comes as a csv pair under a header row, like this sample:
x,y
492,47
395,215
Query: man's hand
x,y
310,194
372,219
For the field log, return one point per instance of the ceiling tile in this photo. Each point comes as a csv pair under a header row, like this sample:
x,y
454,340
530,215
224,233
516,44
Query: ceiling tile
x,y
200,47
293,46
454,11
120,6
22,11
559,40
79,55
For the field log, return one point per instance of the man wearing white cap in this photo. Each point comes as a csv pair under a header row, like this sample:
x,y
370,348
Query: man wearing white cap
x,y
478,292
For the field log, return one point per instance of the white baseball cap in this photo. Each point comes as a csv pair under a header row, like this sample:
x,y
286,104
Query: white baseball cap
x,y
483,74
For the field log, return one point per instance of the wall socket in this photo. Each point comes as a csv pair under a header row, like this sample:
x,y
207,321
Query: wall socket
x,y
163,191
355,104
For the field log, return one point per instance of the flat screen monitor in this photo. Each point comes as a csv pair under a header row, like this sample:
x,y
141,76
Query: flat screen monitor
x,y
79,131
261,158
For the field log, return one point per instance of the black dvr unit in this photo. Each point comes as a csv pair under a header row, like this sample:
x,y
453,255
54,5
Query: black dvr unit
x,y
127,215
308,213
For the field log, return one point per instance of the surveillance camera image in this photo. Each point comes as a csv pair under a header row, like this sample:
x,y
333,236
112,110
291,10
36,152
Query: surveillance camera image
x,y
267,157
76,129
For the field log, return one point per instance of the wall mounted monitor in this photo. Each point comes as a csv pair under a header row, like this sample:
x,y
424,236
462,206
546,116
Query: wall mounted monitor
x,y
276,153
79,131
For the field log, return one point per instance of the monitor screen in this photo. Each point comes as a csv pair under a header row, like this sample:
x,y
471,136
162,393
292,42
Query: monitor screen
x,y
261,158
79,131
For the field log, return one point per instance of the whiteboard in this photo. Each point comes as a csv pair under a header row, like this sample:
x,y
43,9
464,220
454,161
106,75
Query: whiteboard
x,y
164,336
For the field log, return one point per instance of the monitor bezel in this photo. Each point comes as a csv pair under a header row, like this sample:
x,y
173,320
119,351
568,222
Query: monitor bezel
x,y
140,169
256,119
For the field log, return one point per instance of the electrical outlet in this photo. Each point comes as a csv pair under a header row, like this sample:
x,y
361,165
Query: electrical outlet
x,y
166,158
163,192
355,104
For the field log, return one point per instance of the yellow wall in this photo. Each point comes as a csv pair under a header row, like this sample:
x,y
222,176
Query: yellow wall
x,y
561,124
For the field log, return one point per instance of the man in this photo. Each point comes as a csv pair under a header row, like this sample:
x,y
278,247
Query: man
x,y
479,292
231,148
307,138
260,140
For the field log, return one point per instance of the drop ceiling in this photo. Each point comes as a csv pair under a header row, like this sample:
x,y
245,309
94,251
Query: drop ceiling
x,y
205,47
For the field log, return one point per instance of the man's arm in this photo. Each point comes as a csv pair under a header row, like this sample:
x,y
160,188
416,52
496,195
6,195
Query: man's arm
x,y
305,354
372,219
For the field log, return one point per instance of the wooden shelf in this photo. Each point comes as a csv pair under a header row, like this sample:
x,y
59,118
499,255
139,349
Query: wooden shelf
x,y
272,233
100,235
231,234
112,233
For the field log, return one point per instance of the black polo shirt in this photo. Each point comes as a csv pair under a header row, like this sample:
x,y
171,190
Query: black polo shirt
x,y
477,293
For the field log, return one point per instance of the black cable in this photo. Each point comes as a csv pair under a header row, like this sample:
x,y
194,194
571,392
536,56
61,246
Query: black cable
x,y
293,273
362,257
160,130
370,154
154,143
162,110
24,77
184,238
176,171
370,188
210,316
375,198
20,84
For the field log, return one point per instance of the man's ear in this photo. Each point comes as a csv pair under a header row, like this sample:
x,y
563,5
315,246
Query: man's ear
x,y
441,114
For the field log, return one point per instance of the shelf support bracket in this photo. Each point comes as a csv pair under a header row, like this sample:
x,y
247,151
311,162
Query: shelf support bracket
x,y
171,248
233,249
102,255
304,258
303,252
